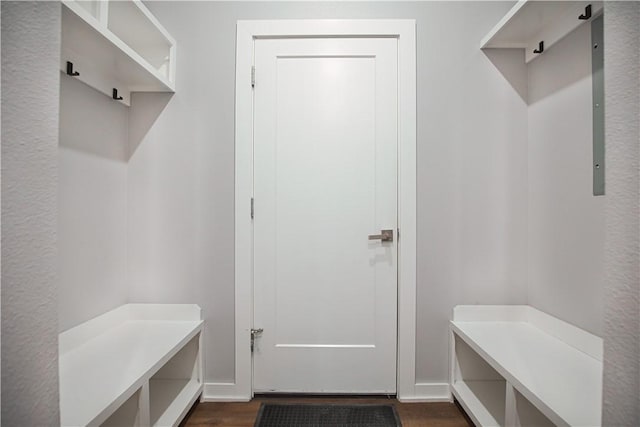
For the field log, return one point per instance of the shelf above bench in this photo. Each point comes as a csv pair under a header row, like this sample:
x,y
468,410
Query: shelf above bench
x,y
530,22
146,352
116,45
552,365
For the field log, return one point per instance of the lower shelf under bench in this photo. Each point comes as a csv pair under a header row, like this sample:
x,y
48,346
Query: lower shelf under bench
x,y
484,401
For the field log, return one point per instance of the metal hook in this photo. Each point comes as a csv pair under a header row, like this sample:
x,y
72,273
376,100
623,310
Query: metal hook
x,y
540,48
70,71
587,13
115,95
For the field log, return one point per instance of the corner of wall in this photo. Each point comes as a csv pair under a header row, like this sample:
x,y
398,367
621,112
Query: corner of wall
x,y
621,399
30,102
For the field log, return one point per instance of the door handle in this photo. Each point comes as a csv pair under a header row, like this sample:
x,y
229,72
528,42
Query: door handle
x,y
384,236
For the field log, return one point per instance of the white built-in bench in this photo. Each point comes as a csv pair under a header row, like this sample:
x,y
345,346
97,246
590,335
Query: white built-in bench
x,y
517,366
137,365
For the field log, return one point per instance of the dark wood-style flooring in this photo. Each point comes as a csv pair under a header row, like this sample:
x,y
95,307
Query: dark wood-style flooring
x,y
244,414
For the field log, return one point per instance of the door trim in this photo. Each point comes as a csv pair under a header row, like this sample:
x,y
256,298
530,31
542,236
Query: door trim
x,y
247,32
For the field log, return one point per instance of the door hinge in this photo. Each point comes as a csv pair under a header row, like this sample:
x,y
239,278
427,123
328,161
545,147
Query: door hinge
x,y
252,208
253,76
254,333
398,234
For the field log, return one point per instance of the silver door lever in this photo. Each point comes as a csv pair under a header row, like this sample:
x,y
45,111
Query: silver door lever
x,y
384,236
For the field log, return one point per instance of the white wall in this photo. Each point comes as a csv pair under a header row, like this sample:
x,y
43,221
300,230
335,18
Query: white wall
x,y
30,79
472,201
622,246
92,203
565,221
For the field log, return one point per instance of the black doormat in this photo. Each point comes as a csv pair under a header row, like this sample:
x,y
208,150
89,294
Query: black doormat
x,y
321,415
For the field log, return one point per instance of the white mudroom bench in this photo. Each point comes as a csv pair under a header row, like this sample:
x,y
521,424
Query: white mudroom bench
x,y
518,366
137,365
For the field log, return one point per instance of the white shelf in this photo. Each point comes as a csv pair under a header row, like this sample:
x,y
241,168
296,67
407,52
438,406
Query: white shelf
x,y
532,21
171,400
106,360
553,365
484,401
117,44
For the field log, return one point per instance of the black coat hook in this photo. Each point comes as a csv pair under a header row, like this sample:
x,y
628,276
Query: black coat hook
x,y
540,48
70,71
115,95
587,13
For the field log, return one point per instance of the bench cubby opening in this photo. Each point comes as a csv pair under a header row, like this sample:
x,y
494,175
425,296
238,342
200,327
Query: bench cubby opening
x,y
478,387
526,414
127,415
172,390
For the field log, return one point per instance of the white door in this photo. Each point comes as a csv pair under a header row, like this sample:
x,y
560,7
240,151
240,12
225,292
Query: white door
x,y
325,179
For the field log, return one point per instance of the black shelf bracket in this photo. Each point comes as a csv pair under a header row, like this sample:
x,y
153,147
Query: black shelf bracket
x,y
587,13
540,48
115,95
70,71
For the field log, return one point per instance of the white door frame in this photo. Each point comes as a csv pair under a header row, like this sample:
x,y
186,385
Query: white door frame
x,y
247,32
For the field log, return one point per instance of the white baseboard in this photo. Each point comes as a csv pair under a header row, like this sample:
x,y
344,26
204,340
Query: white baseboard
x,y
423,392
429,392
223,392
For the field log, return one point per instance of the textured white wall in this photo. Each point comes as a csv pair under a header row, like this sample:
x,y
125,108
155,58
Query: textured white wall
x,y
566,222
622,246
30,79
471,169
92,203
